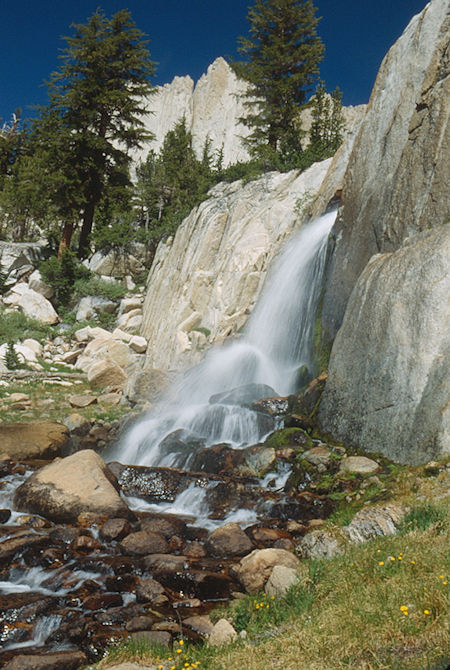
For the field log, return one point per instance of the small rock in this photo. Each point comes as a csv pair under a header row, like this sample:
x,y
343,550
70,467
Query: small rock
x,y
115,529
200,624
318,456
19,397
229,540
77,424
139,623
254,570
109,399
143,543
222,633
62,660
82,401
149,590
318,544
359,465
106,373
138,344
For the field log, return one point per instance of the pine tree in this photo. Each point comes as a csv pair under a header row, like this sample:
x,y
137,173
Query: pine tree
x,y
85,134
284,52
327,124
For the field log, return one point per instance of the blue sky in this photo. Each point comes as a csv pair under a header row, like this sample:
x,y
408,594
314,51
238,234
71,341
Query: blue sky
x,y
186,36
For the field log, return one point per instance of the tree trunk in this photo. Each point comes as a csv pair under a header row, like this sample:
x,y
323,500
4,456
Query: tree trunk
x,y
66,238
86,229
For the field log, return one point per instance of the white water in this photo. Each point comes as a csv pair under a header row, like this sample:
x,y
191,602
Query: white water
x,y
276,344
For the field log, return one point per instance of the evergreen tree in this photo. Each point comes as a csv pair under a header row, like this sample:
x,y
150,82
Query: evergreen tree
x,y
327,125
93,120
284,52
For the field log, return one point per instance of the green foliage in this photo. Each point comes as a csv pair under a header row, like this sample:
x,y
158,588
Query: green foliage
x,y
84,136
283,52
171,183
96,286
328,123
421,518
62,274
16,326
12,360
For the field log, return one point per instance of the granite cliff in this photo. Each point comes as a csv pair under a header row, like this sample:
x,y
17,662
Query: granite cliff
x,y
387,287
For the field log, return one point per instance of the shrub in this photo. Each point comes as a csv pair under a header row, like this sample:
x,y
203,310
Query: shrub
x,y
61,275
96,286
16,326
12,360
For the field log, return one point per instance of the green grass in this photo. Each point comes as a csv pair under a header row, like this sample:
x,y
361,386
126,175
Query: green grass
x,y
99,287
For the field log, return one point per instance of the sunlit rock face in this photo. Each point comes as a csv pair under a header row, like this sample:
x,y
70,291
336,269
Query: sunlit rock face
x,y
397,178
212,109
204,283
388,384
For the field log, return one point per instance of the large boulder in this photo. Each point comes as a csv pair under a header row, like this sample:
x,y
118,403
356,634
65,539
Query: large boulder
x,y
397,177
32,304
75,485
388,383
33,440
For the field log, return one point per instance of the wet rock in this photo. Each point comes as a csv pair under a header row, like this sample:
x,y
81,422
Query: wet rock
x,y
194,550
149,590
203,584
139,623
154,484
85,544
62,660
267,536
121,583
18,544
115,529
281,579
5,515
219,459
318,544
102,601
299,421
160,637
309,399
229,540
276,406
254,570
163,524
243,396
165,563
259,460
144,542
360,465
78,425
222,633
69,487
320,455
284,543
34,439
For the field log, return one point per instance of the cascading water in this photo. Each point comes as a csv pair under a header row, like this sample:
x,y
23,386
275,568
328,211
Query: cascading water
x,y
276,343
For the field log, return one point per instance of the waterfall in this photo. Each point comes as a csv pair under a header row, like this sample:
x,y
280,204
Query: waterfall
x,y
277,342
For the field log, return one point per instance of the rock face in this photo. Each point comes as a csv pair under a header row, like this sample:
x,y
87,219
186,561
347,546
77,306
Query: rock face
x,y
63,490
198,293
398,173
388,385
212,109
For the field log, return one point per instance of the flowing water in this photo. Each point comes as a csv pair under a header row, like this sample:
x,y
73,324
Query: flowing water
x,y
277,342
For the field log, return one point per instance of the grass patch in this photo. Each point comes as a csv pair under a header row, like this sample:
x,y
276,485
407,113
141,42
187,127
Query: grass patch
x,y
421,518
99,287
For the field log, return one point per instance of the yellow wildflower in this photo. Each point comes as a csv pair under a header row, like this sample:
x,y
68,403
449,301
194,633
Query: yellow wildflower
x,y
404,608
381,563
426,611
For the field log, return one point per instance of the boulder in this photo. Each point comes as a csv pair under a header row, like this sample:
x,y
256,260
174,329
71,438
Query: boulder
x,y
106,373
115,264
255,569
90,306
71,486
105,348
318,544
395,400
149,590
244,396
147,385
359,465
371,522
138,344
229,540
222,633
33,440
36,283
32,304
281,579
